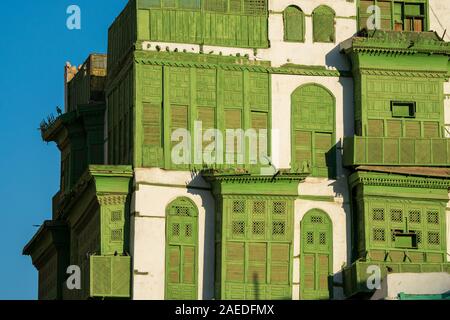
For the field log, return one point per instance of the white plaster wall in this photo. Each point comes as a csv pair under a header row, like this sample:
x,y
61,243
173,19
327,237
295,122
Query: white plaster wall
x,y
309,53
282,88
439,17
148,226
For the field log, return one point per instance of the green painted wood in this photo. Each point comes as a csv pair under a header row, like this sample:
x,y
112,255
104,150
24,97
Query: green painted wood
x,y
323,24
316,256
199,95
181,250
401,224
120,101
398,151
110,277
294,24
233,23
313,123
256,260
409,15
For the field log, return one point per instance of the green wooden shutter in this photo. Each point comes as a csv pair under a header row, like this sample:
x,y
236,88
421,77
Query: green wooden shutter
x,y
316,256
236,6
323,157
179,119
255,7
293,24
431,129
216,5
394,128
323,24
257,260
207,115
152,131
112,229
386,14
398,16
110,276
259,121
181,250
233,121
313,110
189,4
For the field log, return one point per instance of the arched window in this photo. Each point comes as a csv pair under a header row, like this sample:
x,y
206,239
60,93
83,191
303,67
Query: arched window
x,y
313,130
181,250
294,24
323,24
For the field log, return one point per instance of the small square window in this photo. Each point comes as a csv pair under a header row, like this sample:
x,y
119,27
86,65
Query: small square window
x,y
403,109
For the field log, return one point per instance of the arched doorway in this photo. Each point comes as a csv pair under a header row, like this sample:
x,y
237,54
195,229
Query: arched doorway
x,y
181,250
316,255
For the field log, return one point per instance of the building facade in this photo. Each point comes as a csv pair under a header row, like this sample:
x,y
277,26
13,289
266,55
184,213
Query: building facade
x,y
354,96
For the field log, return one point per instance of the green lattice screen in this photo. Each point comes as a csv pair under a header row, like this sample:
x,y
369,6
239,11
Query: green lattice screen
x,y
316,258
112,229
323,24
418,227
207,116
257,259
181,250
259,121
385,11
110,276
294,24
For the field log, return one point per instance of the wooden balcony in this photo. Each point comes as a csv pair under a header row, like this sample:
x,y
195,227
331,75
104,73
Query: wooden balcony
x,y
382,151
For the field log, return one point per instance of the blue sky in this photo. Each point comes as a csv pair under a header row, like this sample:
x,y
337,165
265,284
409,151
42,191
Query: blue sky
x,y
35,44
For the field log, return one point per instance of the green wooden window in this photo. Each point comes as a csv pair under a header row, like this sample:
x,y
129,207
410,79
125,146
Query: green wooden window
x,y
233,121
257,249
313,125
294,24
48,279
405,226
316,257
206,115
385,12
181,250
323,24
112,229
259,122
403,109
399,15
110,276
409,17
180,4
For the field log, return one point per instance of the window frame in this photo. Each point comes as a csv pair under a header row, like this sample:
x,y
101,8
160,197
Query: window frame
x,y
412,109
287,36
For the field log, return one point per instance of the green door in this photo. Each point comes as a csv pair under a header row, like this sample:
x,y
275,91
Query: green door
x,y
181,250
316,256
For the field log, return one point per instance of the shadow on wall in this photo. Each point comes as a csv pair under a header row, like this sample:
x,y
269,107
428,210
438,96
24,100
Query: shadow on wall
x,y
336,59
